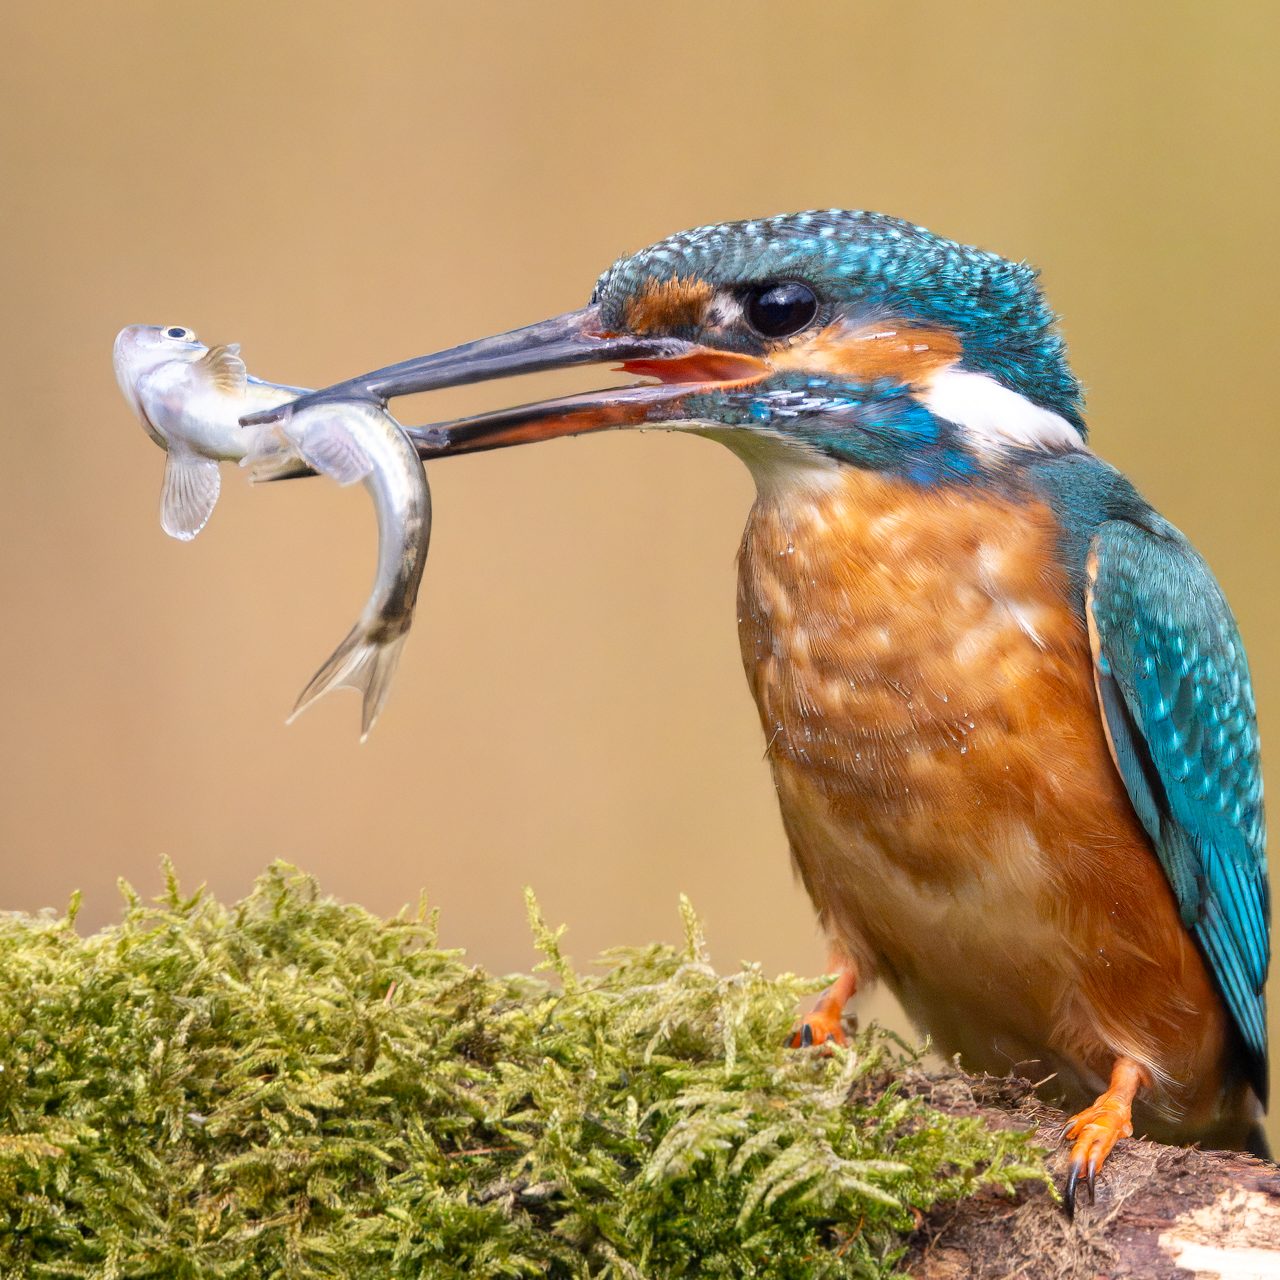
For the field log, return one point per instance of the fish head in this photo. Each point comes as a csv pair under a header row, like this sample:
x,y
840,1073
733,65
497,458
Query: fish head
x,y
142,349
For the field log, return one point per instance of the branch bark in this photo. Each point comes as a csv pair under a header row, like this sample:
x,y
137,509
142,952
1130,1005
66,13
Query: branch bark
x,y
1162,1213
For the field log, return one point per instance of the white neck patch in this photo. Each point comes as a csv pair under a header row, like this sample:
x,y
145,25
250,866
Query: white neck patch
x,y
777,464
992,417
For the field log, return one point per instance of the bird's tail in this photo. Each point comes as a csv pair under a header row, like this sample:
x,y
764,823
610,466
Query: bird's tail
x,y
360,662
1256,1143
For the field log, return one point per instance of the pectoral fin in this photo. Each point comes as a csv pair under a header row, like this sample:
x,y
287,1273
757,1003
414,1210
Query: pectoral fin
x,y
191,486
268,452
326,443
224,368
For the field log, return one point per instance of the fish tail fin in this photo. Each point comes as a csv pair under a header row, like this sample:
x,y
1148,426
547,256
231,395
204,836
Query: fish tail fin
x,y
361,662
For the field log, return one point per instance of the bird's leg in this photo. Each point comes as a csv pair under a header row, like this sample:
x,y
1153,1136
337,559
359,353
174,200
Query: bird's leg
x,y
1096,1129
822,1022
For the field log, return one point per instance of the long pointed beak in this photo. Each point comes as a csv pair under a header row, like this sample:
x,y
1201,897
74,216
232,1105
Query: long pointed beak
x,y
620,408
572,339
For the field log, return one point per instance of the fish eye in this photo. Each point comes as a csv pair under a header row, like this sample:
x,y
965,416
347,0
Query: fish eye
x,y
178,332
779,308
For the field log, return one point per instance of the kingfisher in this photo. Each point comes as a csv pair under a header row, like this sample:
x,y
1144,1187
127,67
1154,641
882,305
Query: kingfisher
x,y
1006,704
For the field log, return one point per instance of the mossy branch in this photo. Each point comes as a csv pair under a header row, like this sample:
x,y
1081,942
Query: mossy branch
x,y
291,1086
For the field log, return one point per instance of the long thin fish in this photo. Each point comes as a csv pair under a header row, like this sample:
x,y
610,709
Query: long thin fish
x,y
354,441
190,399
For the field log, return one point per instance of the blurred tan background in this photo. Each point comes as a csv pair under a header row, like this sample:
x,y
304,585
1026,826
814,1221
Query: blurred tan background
x,y
337,187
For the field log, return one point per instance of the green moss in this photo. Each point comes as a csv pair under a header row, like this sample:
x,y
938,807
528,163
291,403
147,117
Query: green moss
x,y
293,1087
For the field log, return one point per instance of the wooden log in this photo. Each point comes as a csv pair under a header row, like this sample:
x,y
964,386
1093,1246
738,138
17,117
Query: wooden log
x,y
1162,1213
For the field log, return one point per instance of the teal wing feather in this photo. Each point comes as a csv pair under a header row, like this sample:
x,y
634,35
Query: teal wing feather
x,y
1175,692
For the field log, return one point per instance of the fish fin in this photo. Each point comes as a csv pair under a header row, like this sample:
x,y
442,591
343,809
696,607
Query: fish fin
x,y
361,663
283,464
225,368
326,442
191,487
269,455
280,466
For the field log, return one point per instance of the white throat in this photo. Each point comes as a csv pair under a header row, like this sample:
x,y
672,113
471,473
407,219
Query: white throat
x,y
777,463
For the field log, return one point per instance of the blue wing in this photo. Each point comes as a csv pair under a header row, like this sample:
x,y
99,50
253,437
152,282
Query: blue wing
x,y
1174,686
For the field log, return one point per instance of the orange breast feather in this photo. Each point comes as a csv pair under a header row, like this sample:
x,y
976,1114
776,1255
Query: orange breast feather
x,y
925,687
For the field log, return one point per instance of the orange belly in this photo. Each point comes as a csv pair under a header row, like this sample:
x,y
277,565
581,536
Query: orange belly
x,y
927,696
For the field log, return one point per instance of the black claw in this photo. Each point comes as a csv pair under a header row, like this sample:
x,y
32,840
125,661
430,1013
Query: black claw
x,y
1093,1177
1069,1192
806,1036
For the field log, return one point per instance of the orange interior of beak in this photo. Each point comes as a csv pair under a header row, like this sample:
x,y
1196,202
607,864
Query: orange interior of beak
x,y
700,366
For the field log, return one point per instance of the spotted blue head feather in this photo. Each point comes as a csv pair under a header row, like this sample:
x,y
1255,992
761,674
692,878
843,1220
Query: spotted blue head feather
x,y
870,262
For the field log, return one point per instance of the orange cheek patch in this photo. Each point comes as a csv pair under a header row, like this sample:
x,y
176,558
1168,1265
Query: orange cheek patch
x,y
664,304
907,354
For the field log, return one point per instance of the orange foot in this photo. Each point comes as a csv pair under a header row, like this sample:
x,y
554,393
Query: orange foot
x,y
1098,1128
822,1024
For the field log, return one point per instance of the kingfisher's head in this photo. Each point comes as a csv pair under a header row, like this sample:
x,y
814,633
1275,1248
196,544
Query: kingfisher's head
x,y
820,338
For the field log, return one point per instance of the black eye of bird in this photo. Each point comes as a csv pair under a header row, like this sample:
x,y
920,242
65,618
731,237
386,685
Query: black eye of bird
x,y
175,331
779,309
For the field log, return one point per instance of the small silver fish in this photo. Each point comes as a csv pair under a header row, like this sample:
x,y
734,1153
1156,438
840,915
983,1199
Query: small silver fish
x,y
190,398
352,441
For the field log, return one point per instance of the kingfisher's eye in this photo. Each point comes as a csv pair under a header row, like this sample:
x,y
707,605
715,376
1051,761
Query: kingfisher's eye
x,y
779,309
181,334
